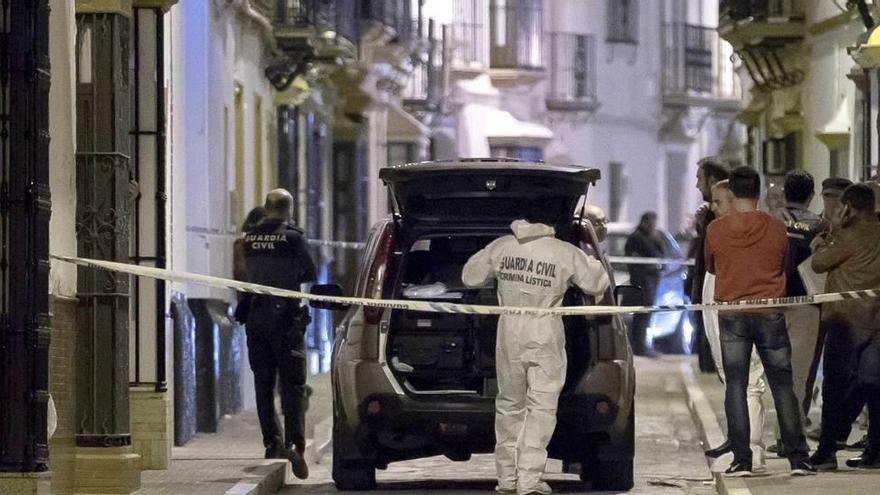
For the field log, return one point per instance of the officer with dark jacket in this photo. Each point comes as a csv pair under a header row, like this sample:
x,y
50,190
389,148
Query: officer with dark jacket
x,y
801,322
276,255
644,243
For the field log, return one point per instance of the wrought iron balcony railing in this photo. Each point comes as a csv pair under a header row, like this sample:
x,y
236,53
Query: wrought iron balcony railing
x,y
571,63
467,35
761,9
329,18
515,32
425,89
697,62
395,14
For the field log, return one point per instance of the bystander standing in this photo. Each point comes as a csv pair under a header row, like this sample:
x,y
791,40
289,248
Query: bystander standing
x,y
746,251
644,243
850,254
710,170
722,205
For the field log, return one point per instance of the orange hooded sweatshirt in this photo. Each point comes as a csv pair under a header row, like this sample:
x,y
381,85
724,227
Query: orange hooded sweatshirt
x,y
746,252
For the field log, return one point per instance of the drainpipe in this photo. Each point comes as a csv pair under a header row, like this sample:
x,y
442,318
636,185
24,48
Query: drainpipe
x,y
161,201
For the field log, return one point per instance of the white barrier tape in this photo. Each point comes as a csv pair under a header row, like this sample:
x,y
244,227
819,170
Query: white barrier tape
x,y
337,244
636,260
442,307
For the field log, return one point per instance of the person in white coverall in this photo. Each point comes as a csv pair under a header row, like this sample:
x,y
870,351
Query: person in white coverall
x,y
532,269
721,206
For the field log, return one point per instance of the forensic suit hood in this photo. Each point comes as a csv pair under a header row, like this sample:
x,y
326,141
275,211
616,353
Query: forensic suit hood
x,y
532,269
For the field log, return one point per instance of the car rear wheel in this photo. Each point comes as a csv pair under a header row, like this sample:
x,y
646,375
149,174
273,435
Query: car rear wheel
x,y
612,475
350,474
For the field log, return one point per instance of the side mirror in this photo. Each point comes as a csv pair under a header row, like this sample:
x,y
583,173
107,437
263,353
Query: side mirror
x,y
629,295
327,290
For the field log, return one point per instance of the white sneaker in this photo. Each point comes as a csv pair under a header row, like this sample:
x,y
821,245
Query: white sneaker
x,y
539,489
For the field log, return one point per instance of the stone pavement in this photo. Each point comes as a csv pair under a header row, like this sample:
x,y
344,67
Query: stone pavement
x,y
706,401
232,461
669,459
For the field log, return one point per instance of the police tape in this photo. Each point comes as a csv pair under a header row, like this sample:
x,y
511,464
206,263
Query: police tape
x,y
337,244
444,307
614,260
637,260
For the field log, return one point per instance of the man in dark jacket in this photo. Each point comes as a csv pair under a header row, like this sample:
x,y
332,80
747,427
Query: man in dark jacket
x,y
277,256
850,254
644,243
802,322
710,171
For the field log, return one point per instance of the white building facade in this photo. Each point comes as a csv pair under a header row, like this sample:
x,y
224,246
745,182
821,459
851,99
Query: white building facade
x,y
639,90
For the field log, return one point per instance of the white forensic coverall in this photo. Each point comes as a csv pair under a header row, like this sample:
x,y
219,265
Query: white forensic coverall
x,y
756,386
533,269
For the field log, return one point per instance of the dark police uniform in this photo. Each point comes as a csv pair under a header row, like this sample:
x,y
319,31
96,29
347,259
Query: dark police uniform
x,y
277,256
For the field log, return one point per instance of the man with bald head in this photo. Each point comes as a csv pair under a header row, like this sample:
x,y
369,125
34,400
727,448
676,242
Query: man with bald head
x,y
277,256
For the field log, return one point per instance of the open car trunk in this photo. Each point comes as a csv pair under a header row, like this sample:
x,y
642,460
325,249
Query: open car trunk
x,y
443,353
486,192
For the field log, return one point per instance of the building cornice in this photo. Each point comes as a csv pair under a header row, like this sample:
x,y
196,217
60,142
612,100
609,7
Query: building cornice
x,y
163,5
121,7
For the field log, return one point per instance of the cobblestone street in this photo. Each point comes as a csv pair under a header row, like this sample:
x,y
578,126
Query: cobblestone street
x,y
669,456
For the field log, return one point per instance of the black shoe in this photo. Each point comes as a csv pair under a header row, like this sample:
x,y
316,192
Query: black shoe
x,y
867,460
739,470
298,464
858,446
823,462
802,467
719,450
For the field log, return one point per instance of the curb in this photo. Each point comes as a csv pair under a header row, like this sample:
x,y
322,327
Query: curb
x,y
265,479
707,423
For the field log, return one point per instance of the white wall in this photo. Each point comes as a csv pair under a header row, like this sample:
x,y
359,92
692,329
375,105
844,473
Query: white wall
x,y
218,50
826,87
62,127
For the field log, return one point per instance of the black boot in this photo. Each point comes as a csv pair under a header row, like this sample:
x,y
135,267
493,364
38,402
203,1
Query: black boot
x,y
719,450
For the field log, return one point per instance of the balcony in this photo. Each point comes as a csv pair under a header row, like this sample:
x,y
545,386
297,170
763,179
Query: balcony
x,y
747,21
515,32
393,16
322,29
697,70
572,72
423,94
467,37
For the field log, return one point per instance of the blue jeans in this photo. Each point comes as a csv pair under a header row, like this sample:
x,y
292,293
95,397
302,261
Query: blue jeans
x,y
766,331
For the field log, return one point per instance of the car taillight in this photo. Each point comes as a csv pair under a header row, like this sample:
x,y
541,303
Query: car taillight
x,y
377,275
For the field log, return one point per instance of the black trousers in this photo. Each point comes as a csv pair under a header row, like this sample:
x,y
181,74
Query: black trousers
x,y
276,349
766,332
852,379
641,321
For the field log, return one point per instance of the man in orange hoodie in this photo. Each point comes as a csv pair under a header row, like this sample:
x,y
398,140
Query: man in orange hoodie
x,y
746,250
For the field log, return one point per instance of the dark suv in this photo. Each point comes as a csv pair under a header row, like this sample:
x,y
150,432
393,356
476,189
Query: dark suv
x,y
412,384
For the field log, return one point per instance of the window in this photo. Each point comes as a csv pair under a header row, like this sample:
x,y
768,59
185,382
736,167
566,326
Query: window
x,y
615,191
401,153
579,67
839,161
623,21
258,148
531,153
780,155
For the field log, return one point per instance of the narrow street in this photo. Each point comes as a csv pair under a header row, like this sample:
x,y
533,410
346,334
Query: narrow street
x,y
669,457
